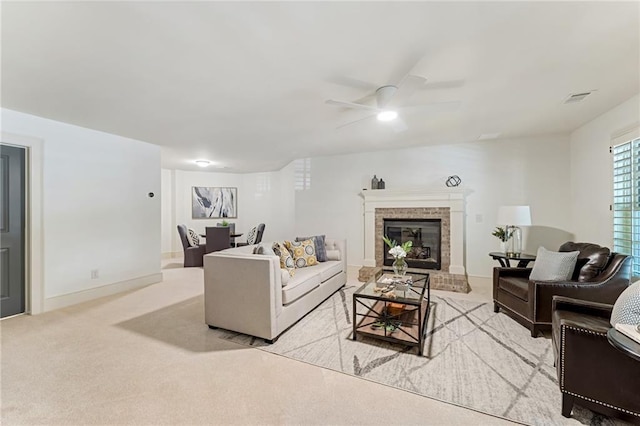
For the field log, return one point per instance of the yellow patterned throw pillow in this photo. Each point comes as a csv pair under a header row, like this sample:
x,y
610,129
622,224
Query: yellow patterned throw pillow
x,y
286,261
303,252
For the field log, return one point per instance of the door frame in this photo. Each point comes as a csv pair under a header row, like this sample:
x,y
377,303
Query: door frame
x,y
34,229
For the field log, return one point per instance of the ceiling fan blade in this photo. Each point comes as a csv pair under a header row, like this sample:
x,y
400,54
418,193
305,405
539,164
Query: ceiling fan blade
x,y
342,80
356,121
404,68
409,86
399,125
350,105
448,84
434,107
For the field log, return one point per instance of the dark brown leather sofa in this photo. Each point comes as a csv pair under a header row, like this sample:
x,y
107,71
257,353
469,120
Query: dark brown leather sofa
x,y
599,276
592,372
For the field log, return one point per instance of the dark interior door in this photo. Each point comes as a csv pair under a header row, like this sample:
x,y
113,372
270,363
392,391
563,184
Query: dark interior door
x,y
12,230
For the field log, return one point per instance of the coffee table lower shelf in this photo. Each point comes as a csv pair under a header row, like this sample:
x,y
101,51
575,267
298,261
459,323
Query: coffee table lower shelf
x,y
411,330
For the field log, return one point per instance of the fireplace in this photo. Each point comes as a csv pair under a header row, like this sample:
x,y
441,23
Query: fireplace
x,y
444,205
425,235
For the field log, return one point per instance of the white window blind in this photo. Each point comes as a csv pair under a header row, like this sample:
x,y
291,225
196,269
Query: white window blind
x,y
626,200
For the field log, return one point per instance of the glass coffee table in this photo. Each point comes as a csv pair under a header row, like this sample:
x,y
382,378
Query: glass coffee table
x,y
394,309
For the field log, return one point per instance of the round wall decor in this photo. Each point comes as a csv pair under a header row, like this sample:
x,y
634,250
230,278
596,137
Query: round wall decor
x,y
453,181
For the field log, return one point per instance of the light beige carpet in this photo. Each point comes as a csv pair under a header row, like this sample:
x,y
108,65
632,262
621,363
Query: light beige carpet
x,y
146,357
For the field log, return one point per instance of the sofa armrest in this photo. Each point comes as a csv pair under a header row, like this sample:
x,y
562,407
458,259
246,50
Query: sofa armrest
x,y
582,306
341,245
243,292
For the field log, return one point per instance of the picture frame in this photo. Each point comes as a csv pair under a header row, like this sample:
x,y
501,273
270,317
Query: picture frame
x,y
213,202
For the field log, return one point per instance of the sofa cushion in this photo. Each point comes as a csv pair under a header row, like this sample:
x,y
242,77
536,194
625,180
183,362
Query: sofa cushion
x,y
285,277
592,260
626,310
303,252
318,241
286,261
261,249
306,279
553,265
329,269
518,287
333,255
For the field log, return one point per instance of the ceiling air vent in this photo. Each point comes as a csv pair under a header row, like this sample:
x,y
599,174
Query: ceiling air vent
x,y
576,97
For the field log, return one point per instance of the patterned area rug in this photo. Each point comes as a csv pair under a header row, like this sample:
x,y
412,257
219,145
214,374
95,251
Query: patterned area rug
x,y
473,357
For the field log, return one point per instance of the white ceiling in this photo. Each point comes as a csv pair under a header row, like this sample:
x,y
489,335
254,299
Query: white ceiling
x,y
244,84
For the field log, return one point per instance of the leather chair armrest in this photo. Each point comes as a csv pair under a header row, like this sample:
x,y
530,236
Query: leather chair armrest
x,y
511,272
582,306
544,291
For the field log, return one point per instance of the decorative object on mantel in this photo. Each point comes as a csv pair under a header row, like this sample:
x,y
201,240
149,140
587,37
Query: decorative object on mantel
x,y
381,184
513,217
399,252
374,182
453,180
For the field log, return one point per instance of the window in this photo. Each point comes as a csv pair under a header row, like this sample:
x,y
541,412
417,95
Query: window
x,y
302,170
626,200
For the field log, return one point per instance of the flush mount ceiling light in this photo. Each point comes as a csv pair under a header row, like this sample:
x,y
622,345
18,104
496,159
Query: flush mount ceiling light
x,y
387,115
203,163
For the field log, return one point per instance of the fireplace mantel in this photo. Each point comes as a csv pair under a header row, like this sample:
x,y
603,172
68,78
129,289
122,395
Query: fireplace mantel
x,y
451,198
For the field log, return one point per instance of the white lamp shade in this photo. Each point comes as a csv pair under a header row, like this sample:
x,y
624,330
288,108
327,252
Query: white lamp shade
x,y
514,215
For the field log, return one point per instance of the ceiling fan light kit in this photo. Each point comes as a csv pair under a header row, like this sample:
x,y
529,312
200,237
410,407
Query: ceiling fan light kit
x,y
387,115
392,99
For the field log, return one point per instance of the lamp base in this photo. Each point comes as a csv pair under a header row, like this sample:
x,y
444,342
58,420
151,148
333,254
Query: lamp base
x,y
514,241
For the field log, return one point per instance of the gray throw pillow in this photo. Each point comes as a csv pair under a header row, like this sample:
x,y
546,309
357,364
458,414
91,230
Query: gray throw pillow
x,y
319,244
553,265
626,310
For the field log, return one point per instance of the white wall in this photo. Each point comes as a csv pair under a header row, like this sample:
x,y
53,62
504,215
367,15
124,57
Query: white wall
x,y
591,172
167,211
262,198
531,171
96,212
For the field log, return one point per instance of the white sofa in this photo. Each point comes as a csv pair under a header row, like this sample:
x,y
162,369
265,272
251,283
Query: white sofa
x,y
244,292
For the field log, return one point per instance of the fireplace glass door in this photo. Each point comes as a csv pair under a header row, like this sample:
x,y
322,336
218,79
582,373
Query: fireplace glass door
x,y
425,237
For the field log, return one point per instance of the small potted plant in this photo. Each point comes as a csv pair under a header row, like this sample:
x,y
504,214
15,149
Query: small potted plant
x,y
501,234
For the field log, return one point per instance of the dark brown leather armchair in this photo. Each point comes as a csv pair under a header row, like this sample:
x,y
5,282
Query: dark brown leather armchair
x,y
599,276
592,372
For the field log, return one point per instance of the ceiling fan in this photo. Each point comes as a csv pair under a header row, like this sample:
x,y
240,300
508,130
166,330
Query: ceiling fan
x,y
390,100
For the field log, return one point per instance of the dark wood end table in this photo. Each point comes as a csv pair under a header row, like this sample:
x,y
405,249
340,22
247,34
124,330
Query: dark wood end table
x,y
505,261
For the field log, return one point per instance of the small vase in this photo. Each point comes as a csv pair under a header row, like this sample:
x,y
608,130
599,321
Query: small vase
x,y
399,266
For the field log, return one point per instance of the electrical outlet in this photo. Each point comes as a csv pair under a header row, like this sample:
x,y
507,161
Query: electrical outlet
x,y
479,218
94,274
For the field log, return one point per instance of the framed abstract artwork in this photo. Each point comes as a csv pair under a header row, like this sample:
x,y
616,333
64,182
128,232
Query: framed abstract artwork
x,y
214,202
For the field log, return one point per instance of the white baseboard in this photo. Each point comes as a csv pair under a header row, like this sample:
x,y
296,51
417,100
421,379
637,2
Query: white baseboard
x,y
172,255
65,300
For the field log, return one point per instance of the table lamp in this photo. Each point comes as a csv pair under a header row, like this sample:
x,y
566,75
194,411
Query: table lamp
x,y
513,217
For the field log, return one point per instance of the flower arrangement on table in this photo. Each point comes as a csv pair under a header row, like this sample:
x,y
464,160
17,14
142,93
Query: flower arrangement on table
x,y
501,234
399,252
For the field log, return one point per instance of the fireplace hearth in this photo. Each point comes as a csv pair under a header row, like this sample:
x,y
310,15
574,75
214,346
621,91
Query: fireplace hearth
x,y
424,234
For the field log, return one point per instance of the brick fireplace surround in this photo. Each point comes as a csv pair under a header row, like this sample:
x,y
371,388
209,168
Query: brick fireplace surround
x,y
447,205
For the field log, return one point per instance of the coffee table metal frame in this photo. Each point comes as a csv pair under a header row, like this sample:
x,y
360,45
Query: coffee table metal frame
x,y
410,330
